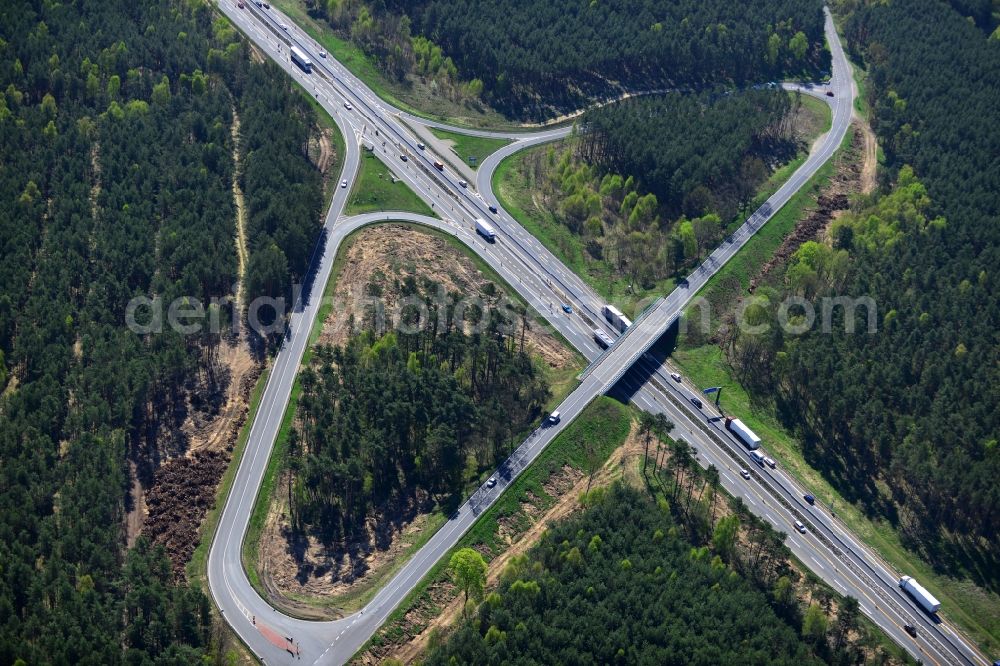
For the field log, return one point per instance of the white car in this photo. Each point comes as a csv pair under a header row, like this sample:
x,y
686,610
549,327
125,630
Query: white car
x,y
800,527
492,482
676,377
347,105
770,462
284,27
322,54
745,474
343,183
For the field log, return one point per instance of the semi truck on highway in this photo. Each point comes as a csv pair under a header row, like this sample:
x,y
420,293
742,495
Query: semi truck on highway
x,y
745,434
615,317
486,229
301,59
602,338
919,594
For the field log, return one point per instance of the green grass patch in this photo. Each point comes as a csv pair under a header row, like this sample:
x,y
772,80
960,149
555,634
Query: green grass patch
x,y
584,444
588,441
466,146
861,101
820,115
376,189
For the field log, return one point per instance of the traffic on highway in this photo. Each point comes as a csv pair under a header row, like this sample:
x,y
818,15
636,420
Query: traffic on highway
x,y
618,354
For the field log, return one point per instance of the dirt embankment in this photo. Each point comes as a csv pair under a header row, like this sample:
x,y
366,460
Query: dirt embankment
x,y
297,568
832,201
520,532
183,488
386,255
169,501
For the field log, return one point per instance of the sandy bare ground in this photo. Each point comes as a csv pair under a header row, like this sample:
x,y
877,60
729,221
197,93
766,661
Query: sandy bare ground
x,y
386,255
294,573
832,201
306,577
567,485
869,164
211,426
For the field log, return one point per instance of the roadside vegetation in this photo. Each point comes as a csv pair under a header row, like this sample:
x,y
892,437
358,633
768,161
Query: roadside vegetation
x,y
888,433
333,522
429,88
123,169
467,147
451,60
652,185
584,514
376,188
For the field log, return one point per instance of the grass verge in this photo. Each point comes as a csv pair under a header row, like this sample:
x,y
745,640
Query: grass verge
x,y
377,189
412,97
466,146
197,567
971,608
514,187
861,101
975,610
585,443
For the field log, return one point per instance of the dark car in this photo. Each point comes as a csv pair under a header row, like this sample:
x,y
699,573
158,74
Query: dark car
x,y
910,629
829,93
404,158
696,402
567,308
809,498
493,208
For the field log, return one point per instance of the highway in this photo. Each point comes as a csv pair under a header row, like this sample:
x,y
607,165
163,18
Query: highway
x,y
544,282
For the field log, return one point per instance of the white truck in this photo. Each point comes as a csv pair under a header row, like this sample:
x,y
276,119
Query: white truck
x,y
301,59
919,594
615,317
745,434
486,229
603,338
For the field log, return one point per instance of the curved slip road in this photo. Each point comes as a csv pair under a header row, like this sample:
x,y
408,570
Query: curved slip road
x,y
542,280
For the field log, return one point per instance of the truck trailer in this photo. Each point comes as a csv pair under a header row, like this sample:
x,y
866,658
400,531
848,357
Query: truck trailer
x,y
745,434
919,594
603,338
615,317
301,59
486,229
